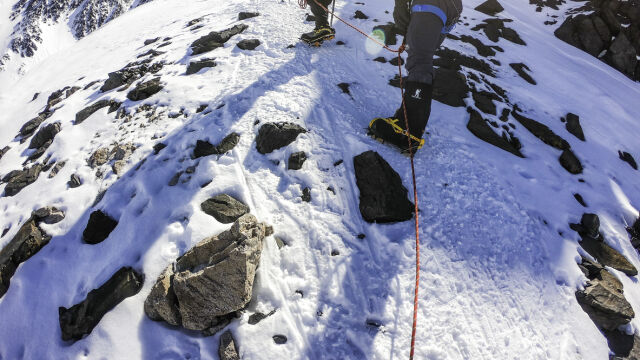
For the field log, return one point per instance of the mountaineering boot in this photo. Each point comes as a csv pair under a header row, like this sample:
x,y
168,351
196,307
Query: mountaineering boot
x,y
417,99
319,35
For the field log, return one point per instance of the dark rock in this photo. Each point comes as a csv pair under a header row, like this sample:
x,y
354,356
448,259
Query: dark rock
x,y
453,60
205,148
570,162
310,18
513,36
194,21
604,302
150,41
145,90
490,7
542,132
593,243
247,15
623,346
574,127
484,101
345,88
26,243
80,319
158,147
481,48
30,126
296,160
224,208
55,98
383,197
4,151
360,15
215,39
20,179
281,243
210,282
396,60
48,215
306,194
74,181
622,55
152,53
450,87
279,339
130,73
56,169
273,136
35,96
257,317
248,44
228,349
579,199
99,227
520,69
196,66
113,106
479,127
380,59
625,156
201,108
44,135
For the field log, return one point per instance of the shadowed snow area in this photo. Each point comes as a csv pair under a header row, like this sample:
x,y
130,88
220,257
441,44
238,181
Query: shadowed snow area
x,y
498,258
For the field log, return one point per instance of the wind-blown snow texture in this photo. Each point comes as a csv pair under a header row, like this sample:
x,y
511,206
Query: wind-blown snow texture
x,y
498,258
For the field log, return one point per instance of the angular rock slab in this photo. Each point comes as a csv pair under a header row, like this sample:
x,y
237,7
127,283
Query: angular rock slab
x,y
18,180
211,281
26,243
145,90
273,136
80,319
603,299
98,228
478,127
215,39
228,349
205,148
224,208
383,198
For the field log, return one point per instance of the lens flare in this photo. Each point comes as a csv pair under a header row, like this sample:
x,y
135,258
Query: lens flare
x,y
371,47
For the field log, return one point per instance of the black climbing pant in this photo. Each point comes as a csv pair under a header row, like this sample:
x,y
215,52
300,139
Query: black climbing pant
x,y
322,18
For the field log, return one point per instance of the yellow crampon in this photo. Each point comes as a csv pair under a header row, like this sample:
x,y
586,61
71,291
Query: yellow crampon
x,y
399,130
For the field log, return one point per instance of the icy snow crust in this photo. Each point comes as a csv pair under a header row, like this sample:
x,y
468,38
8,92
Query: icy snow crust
x,y
497,282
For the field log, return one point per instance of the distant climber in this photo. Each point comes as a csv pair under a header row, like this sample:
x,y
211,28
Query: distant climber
x,y
425,23
322,31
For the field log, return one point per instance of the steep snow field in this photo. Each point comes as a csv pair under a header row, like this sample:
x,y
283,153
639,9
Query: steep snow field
x,y
499,266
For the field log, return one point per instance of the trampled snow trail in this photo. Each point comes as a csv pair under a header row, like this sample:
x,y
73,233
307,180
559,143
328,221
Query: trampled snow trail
x,y
498,278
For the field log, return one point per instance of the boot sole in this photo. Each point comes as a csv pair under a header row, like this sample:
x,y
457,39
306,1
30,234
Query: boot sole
x,y
318,42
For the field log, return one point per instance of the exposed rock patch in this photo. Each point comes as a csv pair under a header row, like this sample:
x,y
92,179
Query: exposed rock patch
x,y
490,7
80,319
570,162
145,90
522,69
83,114
573,126
273,136
479,127
26,243
99,227
247,15
224,208
541,131
19,179
383,197
628,158
212,281
228,349
215,39
593,243
129,74
205,148
248,44
495,29
296,160
195,66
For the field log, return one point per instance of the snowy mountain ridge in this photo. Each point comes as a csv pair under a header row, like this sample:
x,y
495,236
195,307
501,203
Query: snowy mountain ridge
x,y
128,156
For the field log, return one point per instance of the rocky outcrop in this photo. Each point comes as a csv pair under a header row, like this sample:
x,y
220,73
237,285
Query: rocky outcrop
x,y
248,44
479,127
205,148
573,126
119,152
383,197
490,7
32,125
628,158
570,162
129,74
541,131
593,243
296,160
228,349
611,33
523,71
195,66
83,114
603,299
215,39
80,319
26,243
273,136
44,136
495,29
19,179
224,208
145,90
247,15
98,228
211,282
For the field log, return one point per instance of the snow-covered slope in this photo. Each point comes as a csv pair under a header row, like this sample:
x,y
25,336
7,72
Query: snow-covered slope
x,y
499,261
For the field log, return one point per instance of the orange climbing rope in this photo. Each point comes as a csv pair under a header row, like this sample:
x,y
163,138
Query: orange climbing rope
x,y
399,51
